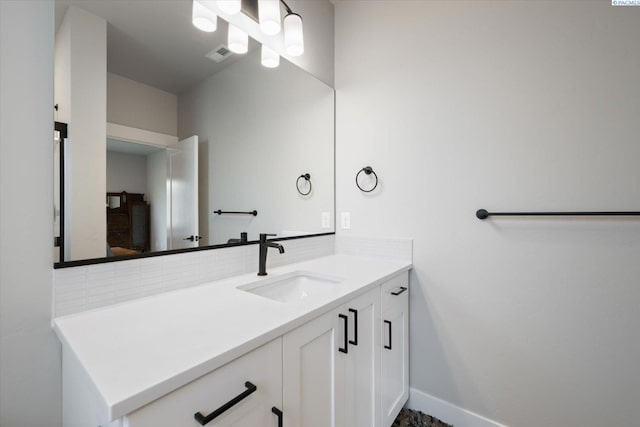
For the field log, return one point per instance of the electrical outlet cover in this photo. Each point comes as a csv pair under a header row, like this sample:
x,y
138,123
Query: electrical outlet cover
x,y
326,220
346,220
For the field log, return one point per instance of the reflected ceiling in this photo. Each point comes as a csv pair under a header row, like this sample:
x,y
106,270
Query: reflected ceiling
x,y
154,42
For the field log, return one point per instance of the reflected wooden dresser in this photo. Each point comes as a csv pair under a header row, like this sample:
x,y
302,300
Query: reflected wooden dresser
x,y
128,221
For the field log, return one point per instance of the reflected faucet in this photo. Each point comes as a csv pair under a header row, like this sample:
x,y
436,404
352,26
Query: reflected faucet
x,y
264,245
243,239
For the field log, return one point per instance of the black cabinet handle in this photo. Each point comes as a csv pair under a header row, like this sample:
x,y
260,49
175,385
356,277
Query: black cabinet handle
x,y
202,419
388,347
402,289
355,326
278,413
346,333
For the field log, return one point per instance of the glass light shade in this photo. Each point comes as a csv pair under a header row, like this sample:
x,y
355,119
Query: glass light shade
x,y
269,14
203,18
293,37
238,40
270,58
230,6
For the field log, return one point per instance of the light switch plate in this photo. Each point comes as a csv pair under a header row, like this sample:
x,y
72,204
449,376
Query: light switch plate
x,y
326,220
346,220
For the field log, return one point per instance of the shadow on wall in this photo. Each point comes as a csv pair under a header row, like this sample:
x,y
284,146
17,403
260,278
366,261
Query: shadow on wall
x,y
430,345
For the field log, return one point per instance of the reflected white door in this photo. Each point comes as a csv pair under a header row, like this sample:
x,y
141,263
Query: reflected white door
x,y
183,192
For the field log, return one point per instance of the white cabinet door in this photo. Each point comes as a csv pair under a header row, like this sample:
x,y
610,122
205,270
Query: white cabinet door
x,y
362,360
261,368
313,373
395,361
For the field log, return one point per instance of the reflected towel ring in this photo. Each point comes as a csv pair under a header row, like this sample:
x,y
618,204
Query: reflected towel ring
x,y
307,178
368,170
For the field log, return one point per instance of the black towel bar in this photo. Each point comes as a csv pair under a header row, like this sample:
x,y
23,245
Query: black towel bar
x,y
484,214
220,212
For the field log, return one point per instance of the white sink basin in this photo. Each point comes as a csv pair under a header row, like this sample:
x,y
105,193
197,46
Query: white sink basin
x,y
295,286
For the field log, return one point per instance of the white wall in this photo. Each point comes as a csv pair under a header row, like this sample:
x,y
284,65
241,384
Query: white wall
x,y
81,94
131,103
29,352
505,106
126,172
262,129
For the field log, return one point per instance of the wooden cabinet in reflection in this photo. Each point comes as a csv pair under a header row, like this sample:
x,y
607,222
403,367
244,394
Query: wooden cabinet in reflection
x,y
127,222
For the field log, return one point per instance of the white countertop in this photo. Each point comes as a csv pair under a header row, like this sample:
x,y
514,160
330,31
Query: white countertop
x,y
138,351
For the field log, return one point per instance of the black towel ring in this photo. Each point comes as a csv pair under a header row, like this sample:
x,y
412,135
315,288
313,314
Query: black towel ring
x,y
368,170
307,178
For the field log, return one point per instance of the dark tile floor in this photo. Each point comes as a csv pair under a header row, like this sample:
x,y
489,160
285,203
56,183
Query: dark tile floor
x,y
411,418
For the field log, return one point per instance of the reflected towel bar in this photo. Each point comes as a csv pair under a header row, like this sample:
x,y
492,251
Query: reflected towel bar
x,y
220,212
484,214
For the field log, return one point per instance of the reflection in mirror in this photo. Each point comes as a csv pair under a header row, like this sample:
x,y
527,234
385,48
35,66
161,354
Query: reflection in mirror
x,y
167,126
59,136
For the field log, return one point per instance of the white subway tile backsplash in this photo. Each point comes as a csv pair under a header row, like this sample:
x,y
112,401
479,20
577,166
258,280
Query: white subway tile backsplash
x,y
151,287
64,308
219,264
71,274
298,250
125,292
126,269
72,288
250,259
83,288
69,291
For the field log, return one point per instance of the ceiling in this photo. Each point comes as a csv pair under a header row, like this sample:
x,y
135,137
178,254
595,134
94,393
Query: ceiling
x,y
154,42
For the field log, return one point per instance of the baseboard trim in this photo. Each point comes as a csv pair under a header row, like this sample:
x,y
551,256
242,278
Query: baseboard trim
x,y
446,411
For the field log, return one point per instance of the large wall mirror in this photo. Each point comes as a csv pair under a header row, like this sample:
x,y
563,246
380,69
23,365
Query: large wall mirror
x,y
173,142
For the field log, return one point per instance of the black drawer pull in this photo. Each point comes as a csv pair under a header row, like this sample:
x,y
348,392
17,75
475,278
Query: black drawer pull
x,y
355,326
221,410
396,293
388,347
346,333
278,413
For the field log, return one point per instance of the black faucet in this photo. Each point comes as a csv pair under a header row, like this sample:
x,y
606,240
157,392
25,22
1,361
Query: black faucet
x,y
264,245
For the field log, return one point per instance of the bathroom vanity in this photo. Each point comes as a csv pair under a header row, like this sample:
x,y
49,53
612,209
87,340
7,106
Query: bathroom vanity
x,y
318,343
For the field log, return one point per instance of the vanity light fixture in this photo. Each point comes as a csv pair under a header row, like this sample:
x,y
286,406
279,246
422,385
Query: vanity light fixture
x,y
270,58
269,13
230,7
293,35
203,18
238,40
269,16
